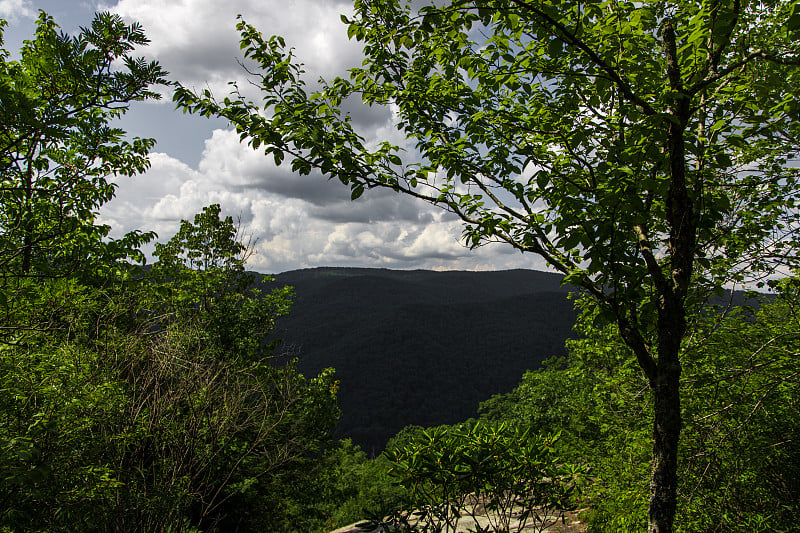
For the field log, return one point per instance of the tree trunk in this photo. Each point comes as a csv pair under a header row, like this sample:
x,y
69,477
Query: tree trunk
x,y
666,435
672,310
26,215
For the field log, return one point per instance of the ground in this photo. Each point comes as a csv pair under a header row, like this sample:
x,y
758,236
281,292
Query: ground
x,y
571,524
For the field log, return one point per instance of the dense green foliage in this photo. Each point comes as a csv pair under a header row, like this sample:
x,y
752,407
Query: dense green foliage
x,y
138,414
201,272
738,465
353,487
58,147
132,399
150,399
508,474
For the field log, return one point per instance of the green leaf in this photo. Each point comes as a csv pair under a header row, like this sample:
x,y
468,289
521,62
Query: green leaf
x,y
724,160
554,48
793,24
356,192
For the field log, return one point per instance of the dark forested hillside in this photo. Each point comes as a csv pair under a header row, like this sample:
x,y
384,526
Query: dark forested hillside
x,y
421,347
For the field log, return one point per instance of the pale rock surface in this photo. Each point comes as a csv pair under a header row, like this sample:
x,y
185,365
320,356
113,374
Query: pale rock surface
x,y
467,524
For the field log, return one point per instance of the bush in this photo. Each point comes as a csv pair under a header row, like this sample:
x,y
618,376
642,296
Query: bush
x,y
472,469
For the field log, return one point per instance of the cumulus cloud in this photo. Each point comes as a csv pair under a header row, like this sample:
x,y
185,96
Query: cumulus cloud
x,y
15,10
196,40
294,225
293,228
297,221
197,43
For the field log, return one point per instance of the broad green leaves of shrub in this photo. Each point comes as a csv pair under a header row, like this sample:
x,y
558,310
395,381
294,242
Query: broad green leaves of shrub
x,y
506,472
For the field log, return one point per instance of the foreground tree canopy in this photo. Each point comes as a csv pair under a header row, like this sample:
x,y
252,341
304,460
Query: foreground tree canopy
x,y
739,457
131,399
58,148
645,150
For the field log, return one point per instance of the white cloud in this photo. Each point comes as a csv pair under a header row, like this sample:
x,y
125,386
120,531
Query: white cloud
x,y
380,229
298,221
196,40
15,10
436,240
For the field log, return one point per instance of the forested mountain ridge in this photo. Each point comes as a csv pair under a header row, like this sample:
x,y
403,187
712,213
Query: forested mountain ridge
x,y
421,347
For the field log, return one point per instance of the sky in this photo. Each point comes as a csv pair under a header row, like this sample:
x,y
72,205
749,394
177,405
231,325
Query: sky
x,y
295,221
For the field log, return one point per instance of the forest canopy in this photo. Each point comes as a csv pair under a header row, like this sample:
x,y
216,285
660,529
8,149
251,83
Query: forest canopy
x,y
131,399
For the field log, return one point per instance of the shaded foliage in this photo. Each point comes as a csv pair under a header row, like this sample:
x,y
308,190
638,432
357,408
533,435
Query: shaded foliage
x,y
146,418
741,383
131,399
508,474
58,146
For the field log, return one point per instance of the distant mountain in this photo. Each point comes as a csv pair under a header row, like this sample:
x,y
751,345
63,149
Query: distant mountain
x,y
421,347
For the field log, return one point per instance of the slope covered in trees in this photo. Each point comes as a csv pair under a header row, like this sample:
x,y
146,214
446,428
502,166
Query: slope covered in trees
x,y
421,347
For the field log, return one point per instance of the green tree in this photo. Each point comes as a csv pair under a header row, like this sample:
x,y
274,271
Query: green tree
x,y
740,384
639,148
598,399
741,455
266,424
58,146
142,411
200,273
59,406
352,487
455,473
130,399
